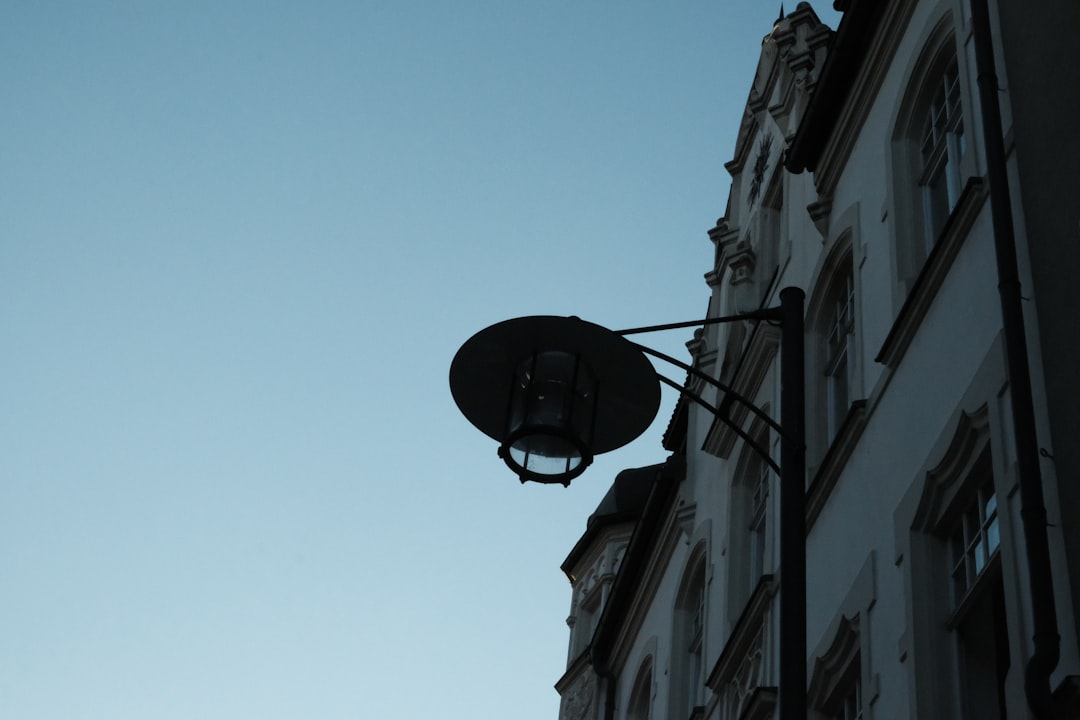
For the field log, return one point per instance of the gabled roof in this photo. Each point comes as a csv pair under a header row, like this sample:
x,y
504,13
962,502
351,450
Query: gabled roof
x,y
666,479
624,502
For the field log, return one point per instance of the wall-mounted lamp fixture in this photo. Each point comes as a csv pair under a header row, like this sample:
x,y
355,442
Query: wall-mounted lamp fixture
x,y
556,391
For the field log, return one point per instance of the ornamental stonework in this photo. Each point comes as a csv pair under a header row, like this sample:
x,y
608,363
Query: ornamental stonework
x,y
577,702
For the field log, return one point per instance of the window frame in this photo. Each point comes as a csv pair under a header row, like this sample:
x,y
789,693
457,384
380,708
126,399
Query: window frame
x,y
941,150
842,678
838,351
749,525
974,543
688,636
969,453
916,227
758,528
640,701
834,362
851,703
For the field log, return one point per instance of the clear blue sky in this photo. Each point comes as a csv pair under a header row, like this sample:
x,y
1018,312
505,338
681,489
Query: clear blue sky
x,y
240,243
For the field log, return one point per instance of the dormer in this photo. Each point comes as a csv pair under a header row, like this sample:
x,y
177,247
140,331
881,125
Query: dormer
x,y
593,562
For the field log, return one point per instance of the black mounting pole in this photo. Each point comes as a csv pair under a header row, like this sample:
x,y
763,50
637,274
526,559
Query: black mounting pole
x,y
792,508
792,432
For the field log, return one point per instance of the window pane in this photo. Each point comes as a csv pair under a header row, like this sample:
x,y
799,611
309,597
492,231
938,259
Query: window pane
x,y
941,147
838,395
989,503
953,96
974,541
972,524
937,202
952,170
959,547
993,536
928,143
837,326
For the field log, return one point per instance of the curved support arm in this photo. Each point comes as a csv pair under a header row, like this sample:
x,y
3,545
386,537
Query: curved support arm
x,y
756,446
719,385
770,314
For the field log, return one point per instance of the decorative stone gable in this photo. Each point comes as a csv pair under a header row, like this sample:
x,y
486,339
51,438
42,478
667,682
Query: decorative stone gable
x,y
747,240
792,56
802,42
579,700
591,588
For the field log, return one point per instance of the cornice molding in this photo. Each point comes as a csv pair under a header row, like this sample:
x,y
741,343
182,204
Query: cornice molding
x,y
969,439
725,237
743,145
573,672
828,668
743,634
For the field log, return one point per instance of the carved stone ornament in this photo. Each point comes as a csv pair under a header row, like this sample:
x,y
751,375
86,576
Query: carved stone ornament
x,y
761,164
742,262
578,702
747,678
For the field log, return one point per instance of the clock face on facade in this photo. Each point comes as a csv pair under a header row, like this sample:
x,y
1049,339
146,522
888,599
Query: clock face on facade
x,y
761,164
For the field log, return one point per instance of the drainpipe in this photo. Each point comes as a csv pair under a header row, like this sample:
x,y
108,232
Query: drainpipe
x,y
609,693
1032,506
603,671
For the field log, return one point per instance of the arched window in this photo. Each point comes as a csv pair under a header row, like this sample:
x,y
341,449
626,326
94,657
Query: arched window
x,y
930,152
941,148
758,476
832,351
688,640
748,558
956,571
838,330
640,705
843,684
836,690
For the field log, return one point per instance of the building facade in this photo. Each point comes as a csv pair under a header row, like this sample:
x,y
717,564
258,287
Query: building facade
x,y
869,171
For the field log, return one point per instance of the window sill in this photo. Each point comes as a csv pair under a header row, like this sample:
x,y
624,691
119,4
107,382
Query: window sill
x,y
933,273
990,574
761,705
742,636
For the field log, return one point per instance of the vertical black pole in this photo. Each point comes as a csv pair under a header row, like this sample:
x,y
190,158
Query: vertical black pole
x,y
792,508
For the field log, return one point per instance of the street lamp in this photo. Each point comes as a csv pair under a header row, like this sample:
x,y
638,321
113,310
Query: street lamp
x,y
555,392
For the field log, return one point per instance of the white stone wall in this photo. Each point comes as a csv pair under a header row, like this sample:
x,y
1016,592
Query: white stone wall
x,y
874,591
